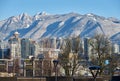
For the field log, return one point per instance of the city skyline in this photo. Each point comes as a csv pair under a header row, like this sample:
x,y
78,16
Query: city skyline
x,y
106,8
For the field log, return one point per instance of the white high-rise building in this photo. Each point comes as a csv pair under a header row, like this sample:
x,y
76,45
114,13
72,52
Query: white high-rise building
x,y
36,49
115,48
53,42
59,42
119,48
15,46
87,49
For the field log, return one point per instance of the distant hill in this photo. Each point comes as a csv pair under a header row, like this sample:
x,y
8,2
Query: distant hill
x,y
59,25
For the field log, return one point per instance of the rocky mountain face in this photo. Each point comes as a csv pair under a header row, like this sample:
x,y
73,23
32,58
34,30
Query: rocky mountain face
x,y
59,25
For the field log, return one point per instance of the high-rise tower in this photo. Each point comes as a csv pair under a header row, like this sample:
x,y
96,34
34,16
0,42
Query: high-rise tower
x,y
15,46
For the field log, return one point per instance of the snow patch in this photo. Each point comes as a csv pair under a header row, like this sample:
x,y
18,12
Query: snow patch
x,y
76,18
42,13
27,26
89,14
61,24
94,19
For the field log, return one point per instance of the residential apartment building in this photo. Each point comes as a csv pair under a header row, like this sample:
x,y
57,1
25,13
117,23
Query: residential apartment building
x,y
87,49
26,48
15,46
4,50
115,48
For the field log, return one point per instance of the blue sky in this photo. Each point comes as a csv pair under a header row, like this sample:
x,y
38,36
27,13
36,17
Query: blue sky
x,y
106,8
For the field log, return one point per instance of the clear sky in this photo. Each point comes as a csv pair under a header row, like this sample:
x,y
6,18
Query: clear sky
x,y
106,8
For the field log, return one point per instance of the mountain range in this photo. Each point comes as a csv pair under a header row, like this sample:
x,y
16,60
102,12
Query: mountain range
x,y
59,25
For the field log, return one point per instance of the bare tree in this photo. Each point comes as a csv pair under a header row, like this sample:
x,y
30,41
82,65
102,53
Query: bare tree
x,y
64,56
69,59
114,60
101,50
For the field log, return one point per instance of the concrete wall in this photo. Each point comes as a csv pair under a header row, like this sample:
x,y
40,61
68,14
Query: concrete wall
x,y
8,78
31,79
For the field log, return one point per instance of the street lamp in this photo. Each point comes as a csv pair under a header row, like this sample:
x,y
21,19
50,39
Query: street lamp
x,y
55,62
41,57
94,69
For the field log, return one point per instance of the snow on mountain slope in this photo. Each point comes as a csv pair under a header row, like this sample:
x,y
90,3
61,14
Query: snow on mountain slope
x,y
64,25
15,22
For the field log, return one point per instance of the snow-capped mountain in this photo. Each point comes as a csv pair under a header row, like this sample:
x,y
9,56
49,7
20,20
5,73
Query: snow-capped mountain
x,y
59,25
